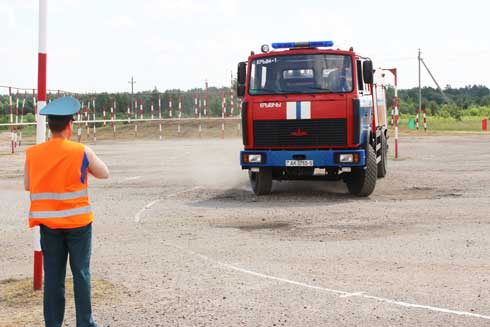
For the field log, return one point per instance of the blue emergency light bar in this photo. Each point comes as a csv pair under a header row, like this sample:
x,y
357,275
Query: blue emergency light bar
x,y
310,44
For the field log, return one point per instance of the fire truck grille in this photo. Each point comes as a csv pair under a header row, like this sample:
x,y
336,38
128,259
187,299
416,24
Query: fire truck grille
x,y
306,132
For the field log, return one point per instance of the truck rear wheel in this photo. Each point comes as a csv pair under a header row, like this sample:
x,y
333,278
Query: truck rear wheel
x,y
362,181
383,164
261,181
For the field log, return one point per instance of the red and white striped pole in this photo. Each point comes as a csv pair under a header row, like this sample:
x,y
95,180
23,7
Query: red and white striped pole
x,y
170,102
79,127
141,109
113,109
34,103
87,128
397,112
135,109
199,106
136,121
82,111
40,127
16,118
223,115
11,121
179,115
232,102
22,117
159,107
200,116
135,118
95,127
160,116
205,106
425,119
417,119
206,99
104,117
195,105
151,110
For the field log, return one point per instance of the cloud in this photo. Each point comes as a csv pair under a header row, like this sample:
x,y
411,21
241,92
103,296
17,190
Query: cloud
x,y
8,14
122,22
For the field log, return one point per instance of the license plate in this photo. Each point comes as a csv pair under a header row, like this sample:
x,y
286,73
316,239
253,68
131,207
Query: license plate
x,y
299,163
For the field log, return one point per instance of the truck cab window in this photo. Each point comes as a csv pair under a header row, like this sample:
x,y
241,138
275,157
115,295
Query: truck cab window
x,y
299,73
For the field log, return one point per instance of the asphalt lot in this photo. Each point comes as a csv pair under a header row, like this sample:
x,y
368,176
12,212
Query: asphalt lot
x,y
179,230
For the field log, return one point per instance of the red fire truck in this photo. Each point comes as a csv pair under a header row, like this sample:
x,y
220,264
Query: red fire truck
x,y
312,112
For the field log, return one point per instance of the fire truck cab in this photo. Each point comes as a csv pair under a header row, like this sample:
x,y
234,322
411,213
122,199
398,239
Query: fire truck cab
x,y
312,112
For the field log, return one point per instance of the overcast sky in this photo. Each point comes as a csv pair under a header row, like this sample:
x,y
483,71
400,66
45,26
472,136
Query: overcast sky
x,y
96,45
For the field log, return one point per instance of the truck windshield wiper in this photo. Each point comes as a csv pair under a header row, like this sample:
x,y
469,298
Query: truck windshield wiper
x,y
319,89
268,91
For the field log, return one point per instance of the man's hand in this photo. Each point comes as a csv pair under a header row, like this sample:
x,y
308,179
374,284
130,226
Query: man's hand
x,y
96,166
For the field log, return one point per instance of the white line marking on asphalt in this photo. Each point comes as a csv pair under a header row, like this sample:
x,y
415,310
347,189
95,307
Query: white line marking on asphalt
x,y
137,217
131,178
352,294
341,294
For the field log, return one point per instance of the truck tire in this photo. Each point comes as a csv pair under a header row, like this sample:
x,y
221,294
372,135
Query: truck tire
x,y
383,164
261,181
362,181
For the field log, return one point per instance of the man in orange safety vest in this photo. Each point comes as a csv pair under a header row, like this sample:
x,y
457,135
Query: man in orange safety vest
x,y
56,175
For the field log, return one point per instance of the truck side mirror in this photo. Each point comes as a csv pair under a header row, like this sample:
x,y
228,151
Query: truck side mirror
x,y
240,90
242,72
367,71
241,78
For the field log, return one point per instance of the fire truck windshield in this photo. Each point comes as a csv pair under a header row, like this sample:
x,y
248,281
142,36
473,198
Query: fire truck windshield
x,y
301,73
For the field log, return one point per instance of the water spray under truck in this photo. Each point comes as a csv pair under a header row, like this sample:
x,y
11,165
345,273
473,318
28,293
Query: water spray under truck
x,y
311,112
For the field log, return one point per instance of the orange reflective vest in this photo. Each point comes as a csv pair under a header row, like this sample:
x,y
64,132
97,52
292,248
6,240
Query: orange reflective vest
x,y
58,184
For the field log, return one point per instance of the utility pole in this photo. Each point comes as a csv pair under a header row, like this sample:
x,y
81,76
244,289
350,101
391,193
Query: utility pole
x,y
421,61
132,81
420,84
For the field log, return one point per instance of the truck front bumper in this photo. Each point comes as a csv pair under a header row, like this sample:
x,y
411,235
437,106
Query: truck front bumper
x,y
320,158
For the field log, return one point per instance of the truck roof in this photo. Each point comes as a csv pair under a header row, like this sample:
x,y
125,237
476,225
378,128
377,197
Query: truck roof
x,y
301,51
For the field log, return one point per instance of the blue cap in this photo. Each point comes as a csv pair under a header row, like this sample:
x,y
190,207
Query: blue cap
x,y
64,106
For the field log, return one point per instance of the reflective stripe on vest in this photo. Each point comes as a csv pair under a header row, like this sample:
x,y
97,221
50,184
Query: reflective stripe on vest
x,y
60,213
59,196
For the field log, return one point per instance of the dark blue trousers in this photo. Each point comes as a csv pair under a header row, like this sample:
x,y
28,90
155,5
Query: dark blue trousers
x,y
57,245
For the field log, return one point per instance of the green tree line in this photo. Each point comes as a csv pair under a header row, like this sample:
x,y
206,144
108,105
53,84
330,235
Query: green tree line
x,y
123,100
471,100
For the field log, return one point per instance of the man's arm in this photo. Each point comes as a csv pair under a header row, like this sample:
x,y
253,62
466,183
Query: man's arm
x,y
26,178
96,166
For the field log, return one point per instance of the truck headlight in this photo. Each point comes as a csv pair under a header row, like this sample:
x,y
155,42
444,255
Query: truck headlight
x,y
254,158
346,158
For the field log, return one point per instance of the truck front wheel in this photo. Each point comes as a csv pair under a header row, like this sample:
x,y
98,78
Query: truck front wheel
x,y
261,181
362,181
383,164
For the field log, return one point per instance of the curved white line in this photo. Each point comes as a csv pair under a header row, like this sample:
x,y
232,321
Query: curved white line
x,y
137,217
341,294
